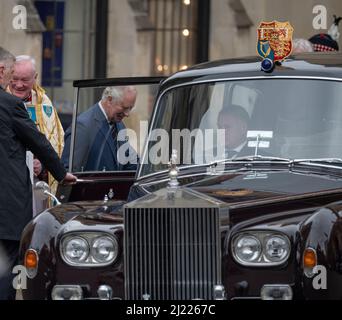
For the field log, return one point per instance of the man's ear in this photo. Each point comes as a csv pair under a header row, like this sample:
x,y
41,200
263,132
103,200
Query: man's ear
x,y
2,68
36,76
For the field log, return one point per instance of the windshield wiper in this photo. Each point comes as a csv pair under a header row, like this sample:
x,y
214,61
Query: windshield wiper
x,y
263,158
243,159
286,160
251,159
324,161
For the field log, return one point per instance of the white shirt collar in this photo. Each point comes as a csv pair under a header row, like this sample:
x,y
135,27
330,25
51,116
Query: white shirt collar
x,y
104,112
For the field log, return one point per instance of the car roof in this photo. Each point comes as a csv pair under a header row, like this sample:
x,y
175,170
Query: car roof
x,y
307,64
322,65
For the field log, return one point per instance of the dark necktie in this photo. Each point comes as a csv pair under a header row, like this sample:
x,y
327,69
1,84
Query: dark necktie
x,y
114,131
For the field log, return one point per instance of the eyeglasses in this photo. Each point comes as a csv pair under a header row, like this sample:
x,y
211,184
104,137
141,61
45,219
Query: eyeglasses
x,y
126,109
121,106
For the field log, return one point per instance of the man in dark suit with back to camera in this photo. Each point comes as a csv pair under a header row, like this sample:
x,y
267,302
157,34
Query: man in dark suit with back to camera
x,y
17,134
98,132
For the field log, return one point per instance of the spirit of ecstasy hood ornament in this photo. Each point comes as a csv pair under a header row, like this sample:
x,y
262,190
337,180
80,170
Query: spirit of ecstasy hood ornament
x,y
173,170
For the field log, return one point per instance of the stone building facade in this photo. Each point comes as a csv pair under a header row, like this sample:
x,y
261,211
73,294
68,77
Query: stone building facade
x,y
231,36
19,41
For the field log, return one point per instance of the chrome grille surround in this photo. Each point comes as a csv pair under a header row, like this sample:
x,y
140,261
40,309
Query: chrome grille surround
x,y
172,251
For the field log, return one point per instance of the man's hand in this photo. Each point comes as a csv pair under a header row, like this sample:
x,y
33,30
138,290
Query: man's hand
x,y
37,167
69,179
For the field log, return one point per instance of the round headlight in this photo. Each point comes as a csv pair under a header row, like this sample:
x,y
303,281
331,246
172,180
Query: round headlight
x,y
105,249
76,249
248,248
277,248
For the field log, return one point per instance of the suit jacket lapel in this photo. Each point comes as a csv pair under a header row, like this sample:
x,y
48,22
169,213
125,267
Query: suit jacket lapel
x,y
104,128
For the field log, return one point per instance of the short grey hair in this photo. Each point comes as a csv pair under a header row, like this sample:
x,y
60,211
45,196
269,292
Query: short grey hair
x,y
117,93
26,58
6,56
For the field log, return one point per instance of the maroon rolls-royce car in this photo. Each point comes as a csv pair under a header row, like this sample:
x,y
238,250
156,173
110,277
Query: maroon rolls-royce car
x,y
237,194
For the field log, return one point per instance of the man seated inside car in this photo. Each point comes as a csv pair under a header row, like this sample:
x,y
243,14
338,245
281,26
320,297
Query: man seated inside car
x,y
98,146
234,120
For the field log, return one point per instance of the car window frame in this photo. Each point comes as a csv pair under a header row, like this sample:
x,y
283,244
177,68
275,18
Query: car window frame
x,y
94,83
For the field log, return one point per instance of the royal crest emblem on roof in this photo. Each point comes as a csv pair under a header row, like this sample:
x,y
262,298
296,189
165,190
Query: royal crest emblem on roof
x,y
274,40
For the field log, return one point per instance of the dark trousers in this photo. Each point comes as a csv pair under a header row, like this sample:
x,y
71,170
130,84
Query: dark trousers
x,y
9,252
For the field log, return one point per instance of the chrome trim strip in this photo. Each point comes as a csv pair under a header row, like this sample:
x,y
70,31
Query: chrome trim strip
x,y
73,128
245,298
219,249
93,172
316,165
211,81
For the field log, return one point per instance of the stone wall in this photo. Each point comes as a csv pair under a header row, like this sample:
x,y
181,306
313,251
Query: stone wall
x,y
229,41
129,49
18,41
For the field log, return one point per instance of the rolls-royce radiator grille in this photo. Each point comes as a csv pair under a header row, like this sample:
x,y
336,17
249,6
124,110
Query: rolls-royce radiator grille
x,y
171,253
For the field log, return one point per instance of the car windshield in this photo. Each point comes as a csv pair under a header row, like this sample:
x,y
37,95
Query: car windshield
x,y
283,118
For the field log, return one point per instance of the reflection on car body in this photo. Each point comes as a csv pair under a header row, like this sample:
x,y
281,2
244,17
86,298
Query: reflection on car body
x,y
252,226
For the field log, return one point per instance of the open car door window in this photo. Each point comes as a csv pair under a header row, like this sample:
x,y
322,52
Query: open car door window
x,y
105,141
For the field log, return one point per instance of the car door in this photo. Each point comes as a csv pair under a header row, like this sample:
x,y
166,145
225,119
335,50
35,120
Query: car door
x,y
94,183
